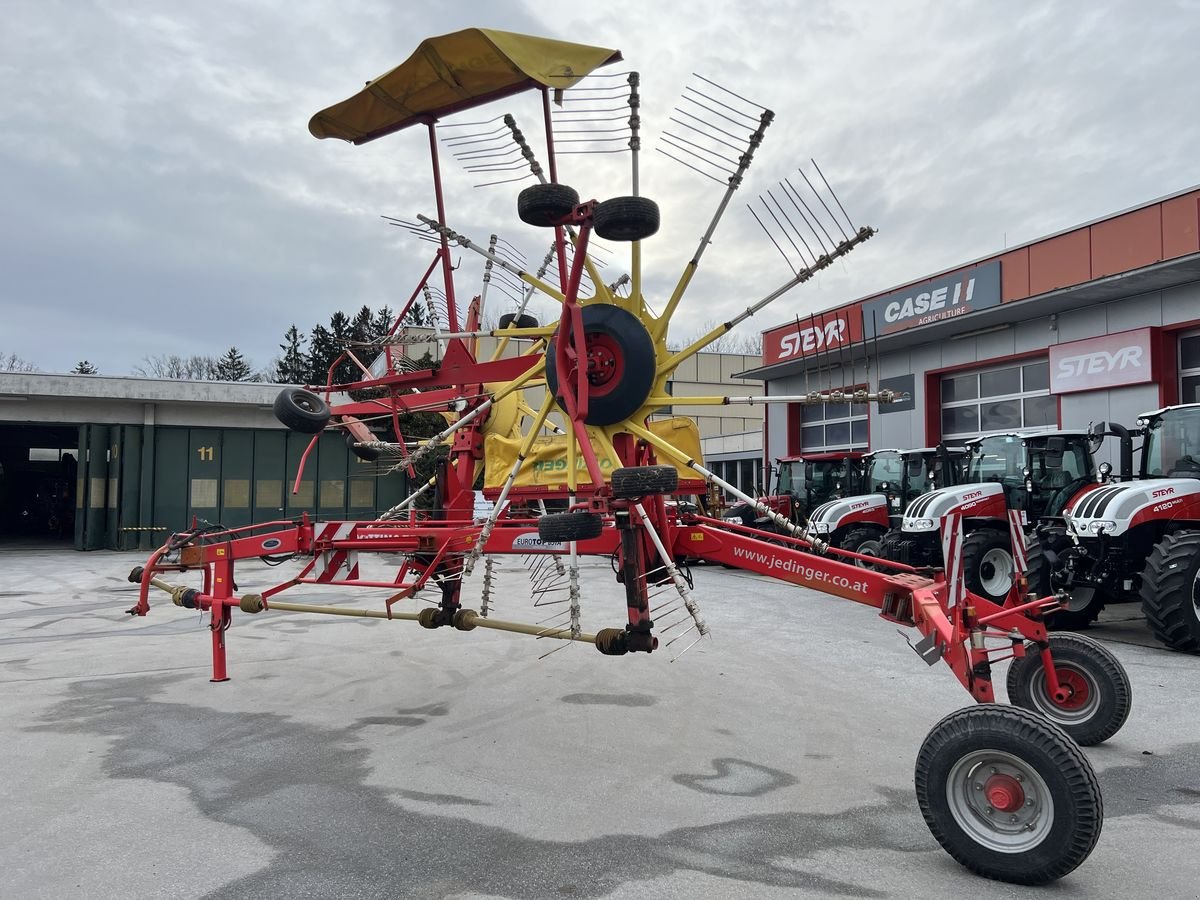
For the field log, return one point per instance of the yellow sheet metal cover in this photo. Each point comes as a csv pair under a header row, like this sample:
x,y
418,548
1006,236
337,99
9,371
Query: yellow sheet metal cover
x,y
453,72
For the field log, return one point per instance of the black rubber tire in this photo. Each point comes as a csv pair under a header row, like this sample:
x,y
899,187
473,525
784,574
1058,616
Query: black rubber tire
x,y
629,390
1076,619
301,410
366,454
1082,658
888,545
641,481
545,205
512,320
625,218
867,540
1041,747
570,526
1169,591
975,547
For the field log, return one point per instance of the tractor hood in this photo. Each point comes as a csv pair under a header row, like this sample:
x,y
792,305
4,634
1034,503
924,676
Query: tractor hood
x,y
834,514
1115,509
970,500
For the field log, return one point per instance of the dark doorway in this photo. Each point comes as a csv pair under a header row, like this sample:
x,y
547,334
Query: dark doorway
x,y
38,483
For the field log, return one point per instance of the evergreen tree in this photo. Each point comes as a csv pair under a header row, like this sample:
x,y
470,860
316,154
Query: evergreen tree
x,y
83,367
321,353
360,329
381,322
292,368
232,367
341,330
417,314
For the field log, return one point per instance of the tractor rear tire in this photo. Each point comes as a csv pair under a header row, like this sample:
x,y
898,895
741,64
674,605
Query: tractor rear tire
x,y
301,410
512,320
1008,794
1170,591
570,526
1100,691
625,218
867,541
985,555
544,205
641,481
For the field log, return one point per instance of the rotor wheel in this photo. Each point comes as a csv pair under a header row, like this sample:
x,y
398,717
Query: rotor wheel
x,y
642,481
625,218
570,526
620,360
1098,694
987,564
1008,794
301,410
1170,591
545,205
366,454
512,320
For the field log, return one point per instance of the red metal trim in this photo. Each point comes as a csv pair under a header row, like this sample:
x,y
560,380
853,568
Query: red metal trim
x,y
447,268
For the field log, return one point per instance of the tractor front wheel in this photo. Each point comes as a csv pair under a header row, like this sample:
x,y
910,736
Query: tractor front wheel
x,y
868,542
1170,591
1008,794
987,564
1097,693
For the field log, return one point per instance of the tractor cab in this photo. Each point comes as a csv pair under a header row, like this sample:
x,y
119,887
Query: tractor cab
x,y
1171,448
926,469
1039,471
883,473
803,483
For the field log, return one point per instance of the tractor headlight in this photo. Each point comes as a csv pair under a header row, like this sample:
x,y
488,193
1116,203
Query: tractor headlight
x,y
1102,525
922,524
819,527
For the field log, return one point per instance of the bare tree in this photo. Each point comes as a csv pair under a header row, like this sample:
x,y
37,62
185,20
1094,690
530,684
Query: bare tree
x,y
11,362
180,368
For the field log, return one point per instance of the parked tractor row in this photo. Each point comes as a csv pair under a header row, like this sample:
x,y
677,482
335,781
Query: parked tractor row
x,y
1094,534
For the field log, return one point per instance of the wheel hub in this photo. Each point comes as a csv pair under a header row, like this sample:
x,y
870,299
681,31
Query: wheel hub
x,y
1004,793
604,360
1073,689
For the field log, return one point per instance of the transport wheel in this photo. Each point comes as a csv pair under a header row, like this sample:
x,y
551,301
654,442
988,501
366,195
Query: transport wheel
x,y
620,360
545,204
1098,690
1170,590
625,218
987,564
301,410
570,526
1008,794
867,541
641,481
366,454
512,320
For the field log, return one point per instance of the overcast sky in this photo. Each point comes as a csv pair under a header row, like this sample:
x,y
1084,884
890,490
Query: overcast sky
x,y
161,192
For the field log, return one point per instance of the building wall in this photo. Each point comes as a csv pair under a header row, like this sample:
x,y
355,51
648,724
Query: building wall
x,y
1176,309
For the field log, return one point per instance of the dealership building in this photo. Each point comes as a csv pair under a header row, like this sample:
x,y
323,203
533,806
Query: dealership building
x,y
1097,323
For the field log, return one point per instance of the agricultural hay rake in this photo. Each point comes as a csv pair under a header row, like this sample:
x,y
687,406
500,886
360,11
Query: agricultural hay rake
x,y
559,424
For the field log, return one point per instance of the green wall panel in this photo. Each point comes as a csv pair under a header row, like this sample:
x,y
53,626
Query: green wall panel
x,y
204,474
270,475
170,479
237,476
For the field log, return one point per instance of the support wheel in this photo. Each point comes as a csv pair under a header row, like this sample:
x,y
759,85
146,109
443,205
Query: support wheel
x,y
625,218
512,320
301,410
620,360
987,564
545,205
640,481
1098,691
868,542
571,526
1170,591
1008,794
366,454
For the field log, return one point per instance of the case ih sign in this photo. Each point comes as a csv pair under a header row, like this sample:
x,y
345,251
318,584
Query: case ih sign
x,y
808,337
1102,362
945,297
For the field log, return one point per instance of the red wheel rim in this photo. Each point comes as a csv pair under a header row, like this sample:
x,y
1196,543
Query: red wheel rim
x,y
605,364
1077,687
1003,792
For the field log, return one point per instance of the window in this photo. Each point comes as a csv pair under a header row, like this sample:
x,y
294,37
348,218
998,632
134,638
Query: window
x,y
834,426
1189,368
1006,398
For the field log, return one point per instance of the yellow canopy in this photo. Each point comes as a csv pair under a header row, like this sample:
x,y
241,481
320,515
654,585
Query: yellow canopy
x,y
454,72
